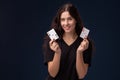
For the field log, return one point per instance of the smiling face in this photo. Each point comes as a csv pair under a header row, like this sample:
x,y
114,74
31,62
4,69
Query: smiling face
x,y
67,22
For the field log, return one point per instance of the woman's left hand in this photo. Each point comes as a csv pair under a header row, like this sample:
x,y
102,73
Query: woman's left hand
x,y
83,46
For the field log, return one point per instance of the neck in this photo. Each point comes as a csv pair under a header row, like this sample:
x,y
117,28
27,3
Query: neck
x,y
70,35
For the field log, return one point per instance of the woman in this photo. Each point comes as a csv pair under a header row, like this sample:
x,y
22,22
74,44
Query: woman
x,y
68,57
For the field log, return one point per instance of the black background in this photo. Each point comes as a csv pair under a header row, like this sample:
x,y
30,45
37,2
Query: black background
x,y
24,23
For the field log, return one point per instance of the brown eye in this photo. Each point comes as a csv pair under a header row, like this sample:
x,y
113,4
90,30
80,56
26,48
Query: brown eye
x,y
70,18
62,19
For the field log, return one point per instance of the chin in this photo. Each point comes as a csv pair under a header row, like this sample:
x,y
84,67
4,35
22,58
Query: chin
x,y
67,31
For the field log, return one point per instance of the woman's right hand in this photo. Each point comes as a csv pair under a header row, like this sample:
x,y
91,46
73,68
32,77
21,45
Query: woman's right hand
x,y
54,46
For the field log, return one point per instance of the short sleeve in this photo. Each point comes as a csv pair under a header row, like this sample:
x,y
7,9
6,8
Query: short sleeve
x,y
47,52
87,55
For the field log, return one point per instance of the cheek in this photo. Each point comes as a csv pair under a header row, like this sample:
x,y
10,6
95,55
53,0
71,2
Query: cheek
x,y
62,24
73,24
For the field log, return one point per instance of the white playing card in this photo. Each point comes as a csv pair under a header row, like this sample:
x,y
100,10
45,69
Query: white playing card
x,y
52,34
84,32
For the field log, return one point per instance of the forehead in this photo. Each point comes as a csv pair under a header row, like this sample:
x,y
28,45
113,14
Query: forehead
x,y
65,14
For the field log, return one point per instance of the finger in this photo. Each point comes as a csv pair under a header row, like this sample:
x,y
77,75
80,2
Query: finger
x,y
87,45
53,39
56,47
51,42
86,41
82,45
83,42
85,37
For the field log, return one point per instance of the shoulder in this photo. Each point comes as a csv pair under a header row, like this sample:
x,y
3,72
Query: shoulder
x,y
45,42
46,39
90,42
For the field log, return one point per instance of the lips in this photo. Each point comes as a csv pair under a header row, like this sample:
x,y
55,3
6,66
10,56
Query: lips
x,y
67,27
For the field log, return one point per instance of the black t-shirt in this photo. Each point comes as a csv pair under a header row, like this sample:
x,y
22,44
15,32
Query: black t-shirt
x,y
67,69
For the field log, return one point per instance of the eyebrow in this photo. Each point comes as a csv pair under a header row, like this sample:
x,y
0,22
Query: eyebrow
x,y
67,17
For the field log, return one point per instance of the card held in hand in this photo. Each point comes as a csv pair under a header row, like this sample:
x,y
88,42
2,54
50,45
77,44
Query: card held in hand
x,y
84,33
52,34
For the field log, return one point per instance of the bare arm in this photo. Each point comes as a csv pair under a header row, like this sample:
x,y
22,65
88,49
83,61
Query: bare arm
x,y
81,67
53,66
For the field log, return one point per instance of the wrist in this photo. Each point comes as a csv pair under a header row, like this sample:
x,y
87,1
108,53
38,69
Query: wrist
x,y
79,52
58,52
